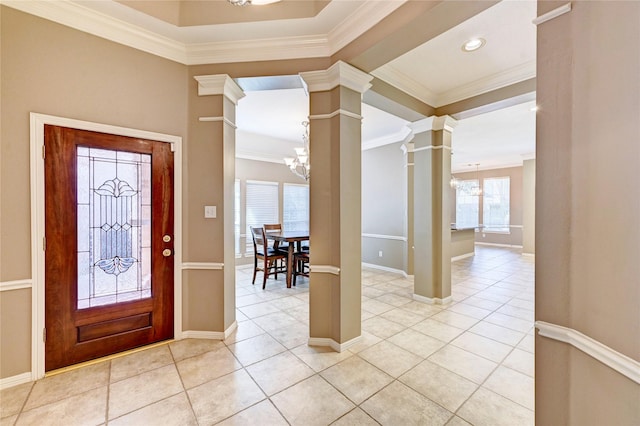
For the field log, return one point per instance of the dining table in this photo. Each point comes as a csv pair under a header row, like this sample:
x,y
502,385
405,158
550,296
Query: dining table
x,y
294,239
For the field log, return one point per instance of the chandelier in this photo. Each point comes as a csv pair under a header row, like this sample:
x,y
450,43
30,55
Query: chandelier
x,y
299,165
466,186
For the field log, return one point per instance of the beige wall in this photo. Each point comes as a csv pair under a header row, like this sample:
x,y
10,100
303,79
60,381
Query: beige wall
x,y
514,237
51,69
384,206
587,209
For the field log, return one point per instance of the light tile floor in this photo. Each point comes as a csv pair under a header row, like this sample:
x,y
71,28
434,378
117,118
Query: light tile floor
x,y
470,362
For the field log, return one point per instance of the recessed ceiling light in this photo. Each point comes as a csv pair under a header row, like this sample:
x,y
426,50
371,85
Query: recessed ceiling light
x,y
473,44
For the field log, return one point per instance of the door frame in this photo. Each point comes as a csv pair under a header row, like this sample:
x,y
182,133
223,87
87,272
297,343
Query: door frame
x,y
37,123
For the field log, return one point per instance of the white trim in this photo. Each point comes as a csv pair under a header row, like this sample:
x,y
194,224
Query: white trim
x,y
434,123
529,254
477,87
498,245
84,19
603,353
399,136
324,269
408,146
215,119
338,347
94,22
19,379
462,256
359,22
496,81
270,49
195,334
384,268
37,123
15,285
219,84
203,265
432,300
338,74
427,148
335,113
385,237
552,14
211,335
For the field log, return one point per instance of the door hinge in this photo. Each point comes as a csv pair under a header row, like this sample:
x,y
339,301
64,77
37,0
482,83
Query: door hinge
x,y
44,243
44,151
44,334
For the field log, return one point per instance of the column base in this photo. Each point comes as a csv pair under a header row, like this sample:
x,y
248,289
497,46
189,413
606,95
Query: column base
x,y
338,347
432,300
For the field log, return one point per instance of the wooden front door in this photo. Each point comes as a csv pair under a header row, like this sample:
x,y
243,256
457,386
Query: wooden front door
x,y
108,244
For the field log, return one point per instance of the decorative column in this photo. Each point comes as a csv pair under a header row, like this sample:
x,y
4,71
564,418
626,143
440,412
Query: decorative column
x,y
432,219
209,258
408,148
529,206
335,283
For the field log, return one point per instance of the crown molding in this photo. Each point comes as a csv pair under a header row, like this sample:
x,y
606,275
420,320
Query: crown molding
x,y
399,136
219,84
362,20
504,78
433,123
82,18
257,50
396,78
565,8
338,74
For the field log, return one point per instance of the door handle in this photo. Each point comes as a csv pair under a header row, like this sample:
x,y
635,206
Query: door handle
x,y
166,238
166,252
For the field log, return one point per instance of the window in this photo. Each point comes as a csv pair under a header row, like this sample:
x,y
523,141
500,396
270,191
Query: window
x,y
467,205
296,207
236,217
262,206
495,209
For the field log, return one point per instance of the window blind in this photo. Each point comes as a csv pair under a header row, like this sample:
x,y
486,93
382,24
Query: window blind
x,y
262,206
296,207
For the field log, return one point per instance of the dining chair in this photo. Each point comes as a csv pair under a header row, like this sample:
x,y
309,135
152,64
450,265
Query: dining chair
x,y
275,227
269,257
300,265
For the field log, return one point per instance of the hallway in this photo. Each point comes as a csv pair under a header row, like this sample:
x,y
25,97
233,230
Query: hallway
x,y
470,362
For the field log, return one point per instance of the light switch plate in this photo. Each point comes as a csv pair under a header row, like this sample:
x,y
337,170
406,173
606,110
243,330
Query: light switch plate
x,y
210,212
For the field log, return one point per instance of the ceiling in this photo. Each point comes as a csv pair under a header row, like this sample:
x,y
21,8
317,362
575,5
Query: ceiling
x,y
269,121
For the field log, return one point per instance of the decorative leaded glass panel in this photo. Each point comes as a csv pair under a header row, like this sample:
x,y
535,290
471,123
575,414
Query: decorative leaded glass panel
x,y
114,226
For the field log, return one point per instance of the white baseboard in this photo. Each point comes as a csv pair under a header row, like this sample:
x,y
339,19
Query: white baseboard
x,y
384,268
603,353
338,347
211,335
432,300
529,254
499,245
9,382
462,256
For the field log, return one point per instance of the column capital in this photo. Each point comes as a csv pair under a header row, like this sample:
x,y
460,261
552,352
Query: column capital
x,y
338,74
219,84
407,147
433,123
